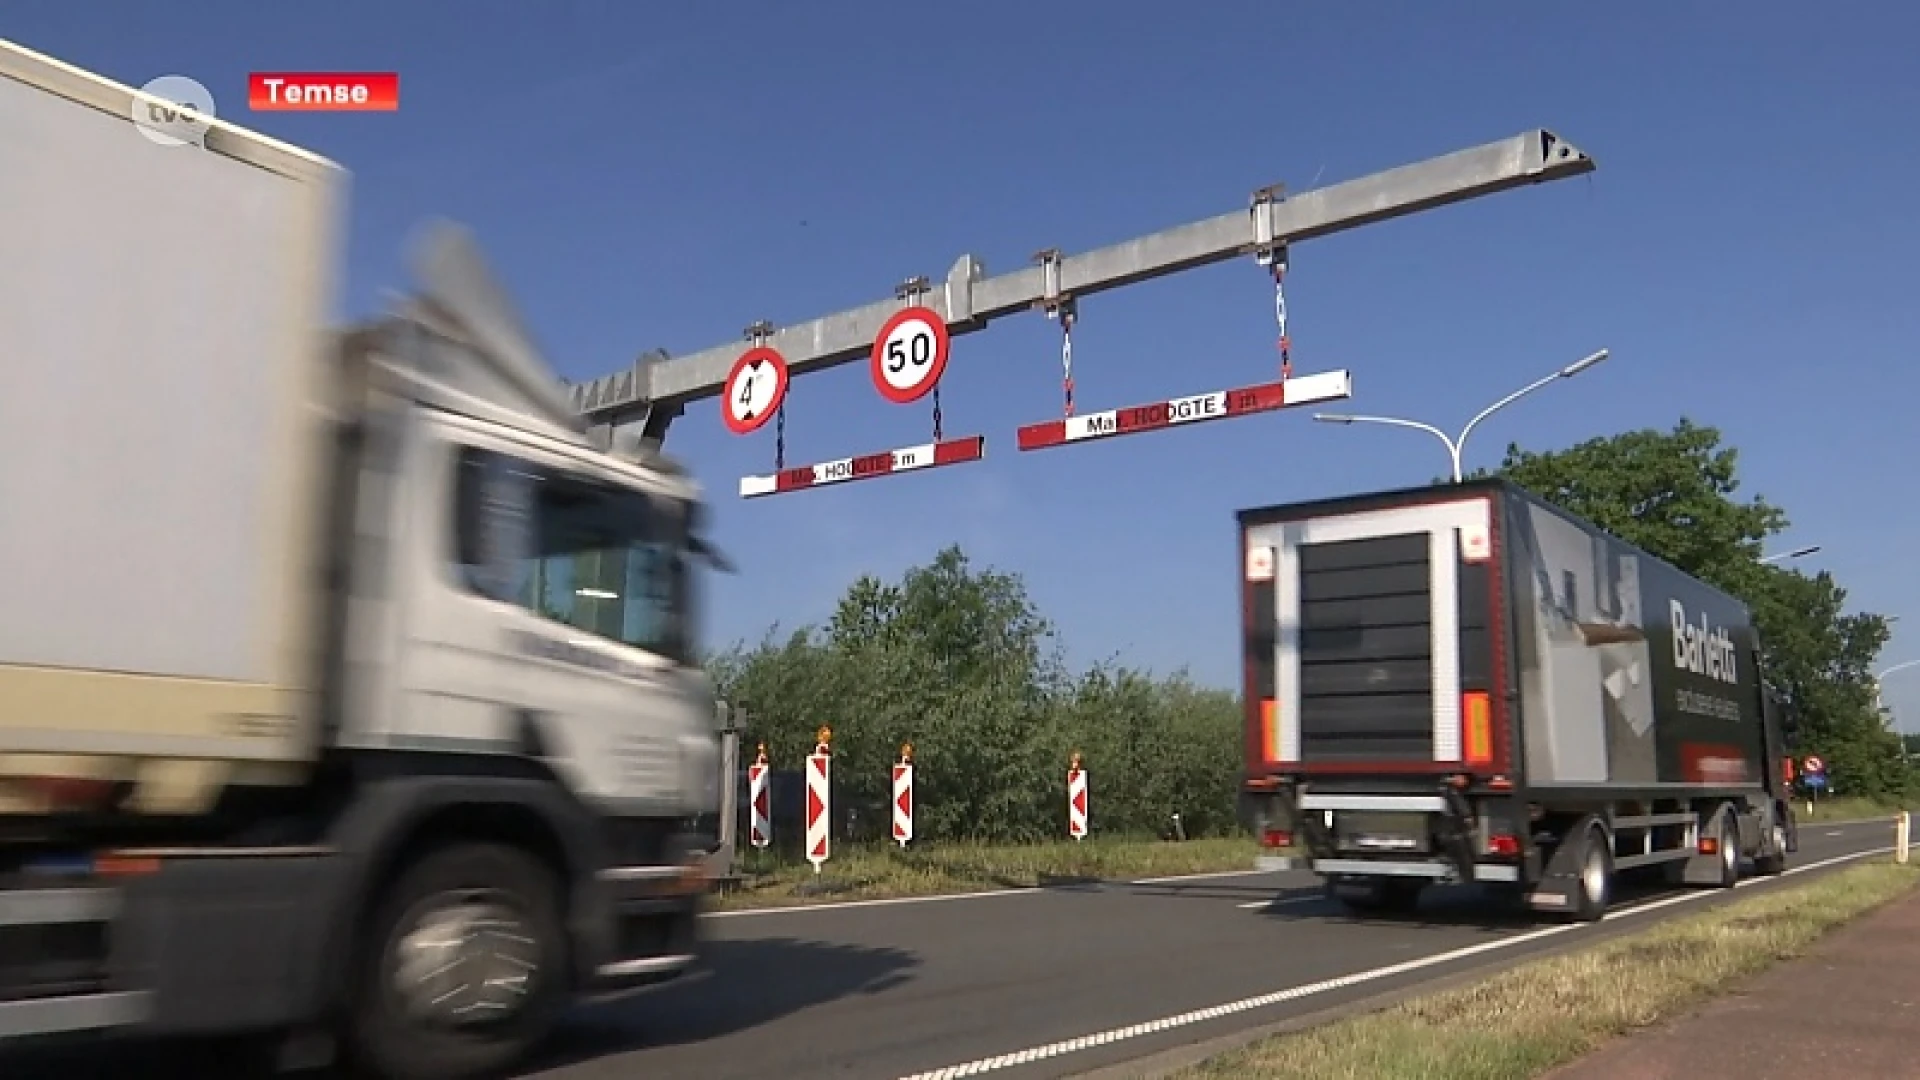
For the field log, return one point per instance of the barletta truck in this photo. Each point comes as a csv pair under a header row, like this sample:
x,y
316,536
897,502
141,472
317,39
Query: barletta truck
x,y
347,684
1464,683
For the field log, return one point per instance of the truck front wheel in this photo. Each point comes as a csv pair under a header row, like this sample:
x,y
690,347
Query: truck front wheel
x,y
461,969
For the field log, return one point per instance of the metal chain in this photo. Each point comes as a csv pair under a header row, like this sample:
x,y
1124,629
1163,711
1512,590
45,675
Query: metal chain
x,y
780,437
1066,357
936,413
1280,317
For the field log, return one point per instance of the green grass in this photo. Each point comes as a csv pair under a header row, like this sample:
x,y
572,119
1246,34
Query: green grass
x,y
1847,808
874,872
1523,1022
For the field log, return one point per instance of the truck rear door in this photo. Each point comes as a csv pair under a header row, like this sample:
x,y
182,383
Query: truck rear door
x,y
1369,643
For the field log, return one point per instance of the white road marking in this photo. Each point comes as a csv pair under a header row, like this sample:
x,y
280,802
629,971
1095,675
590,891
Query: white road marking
x,y
892,901
1262,905
1296,993
842,905
1178,878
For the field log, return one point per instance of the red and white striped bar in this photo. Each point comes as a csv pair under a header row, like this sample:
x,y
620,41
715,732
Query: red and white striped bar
x,y
1219,405
884,463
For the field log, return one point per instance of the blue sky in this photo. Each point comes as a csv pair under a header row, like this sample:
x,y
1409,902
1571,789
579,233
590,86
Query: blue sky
x,y
648,175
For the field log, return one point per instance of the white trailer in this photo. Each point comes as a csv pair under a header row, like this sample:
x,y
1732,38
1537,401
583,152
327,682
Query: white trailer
x,y
346,682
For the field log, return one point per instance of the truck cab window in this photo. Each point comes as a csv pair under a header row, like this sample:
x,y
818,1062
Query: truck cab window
x,y
602,559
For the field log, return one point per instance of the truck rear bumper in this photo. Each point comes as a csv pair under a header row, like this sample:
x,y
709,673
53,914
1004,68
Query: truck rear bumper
x,y
1434,870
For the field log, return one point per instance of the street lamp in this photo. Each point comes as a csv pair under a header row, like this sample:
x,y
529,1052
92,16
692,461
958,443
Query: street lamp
x,y
1454,444
1878,705
1878,678
1796,553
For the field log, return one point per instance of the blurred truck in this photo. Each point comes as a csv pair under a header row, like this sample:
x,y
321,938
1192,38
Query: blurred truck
x,y
347,684
1464,683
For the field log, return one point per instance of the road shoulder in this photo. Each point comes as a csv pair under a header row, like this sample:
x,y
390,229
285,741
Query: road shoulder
x,y
1850,1006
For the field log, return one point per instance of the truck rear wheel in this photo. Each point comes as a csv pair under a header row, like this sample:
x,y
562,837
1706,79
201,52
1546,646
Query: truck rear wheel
x,y
1728,851
1590,857
462,968
1779,840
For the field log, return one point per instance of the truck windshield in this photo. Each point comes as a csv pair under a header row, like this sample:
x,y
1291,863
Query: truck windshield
x,y
610,562
606,560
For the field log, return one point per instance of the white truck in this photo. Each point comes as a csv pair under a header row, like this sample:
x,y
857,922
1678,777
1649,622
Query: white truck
x,y
347,682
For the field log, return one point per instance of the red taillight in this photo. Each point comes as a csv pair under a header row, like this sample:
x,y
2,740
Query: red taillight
x,y
1476,728
1503,845
1276,838
1709,845
68,794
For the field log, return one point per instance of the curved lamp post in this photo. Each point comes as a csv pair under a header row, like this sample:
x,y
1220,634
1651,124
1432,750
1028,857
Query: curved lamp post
x,y
1878,678
1796,553
1455,443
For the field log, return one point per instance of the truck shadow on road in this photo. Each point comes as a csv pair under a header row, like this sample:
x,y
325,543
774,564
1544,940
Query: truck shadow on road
x,y
741,985
1455,906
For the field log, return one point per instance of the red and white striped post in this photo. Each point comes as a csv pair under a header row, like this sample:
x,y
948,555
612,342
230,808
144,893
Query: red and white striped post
x,y
819,799
759,802
903,797
1076,800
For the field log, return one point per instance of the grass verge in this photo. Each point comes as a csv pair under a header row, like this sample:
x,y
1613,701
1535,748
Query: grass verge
x,y
1520,1023
1846,808
873,872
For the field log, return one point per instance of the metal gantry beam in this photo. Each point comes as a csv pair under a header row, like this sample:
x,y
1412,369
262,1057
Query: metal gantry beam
x,y
656,387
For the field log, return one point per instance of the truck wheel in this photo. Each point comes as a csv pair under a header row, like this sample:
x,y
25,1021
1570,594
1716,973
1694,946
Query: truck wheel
x,y
1776,863
1593,878
462,969
1729,865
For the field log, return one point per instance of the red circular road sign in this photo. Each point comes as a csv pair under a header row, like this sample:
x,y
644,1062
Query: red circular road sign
x,y
909,355
1813,765
755,388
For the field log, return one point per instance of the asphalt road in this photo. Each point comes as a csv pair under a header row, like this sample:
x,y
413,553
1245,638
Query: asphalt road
x,y
1056,982
1033,984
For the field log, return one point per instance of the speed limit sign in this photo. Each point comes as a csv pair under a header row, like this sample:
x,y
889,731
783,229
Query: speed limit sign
x,y
909,355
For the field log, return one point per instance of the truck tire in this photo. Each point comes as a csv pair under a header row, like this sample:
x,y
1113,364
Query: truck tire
x,y
434,995
1729,851
1780,839
1591,857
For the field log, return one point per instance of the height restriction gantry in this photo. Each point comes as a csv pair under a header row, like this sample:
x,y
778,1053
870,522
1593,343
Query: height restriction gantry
x,y
656,388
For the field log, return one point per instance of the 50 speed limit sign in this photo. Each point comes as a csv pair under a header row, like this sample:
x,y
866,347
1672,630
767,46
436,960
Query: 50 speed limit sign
x,y
909,355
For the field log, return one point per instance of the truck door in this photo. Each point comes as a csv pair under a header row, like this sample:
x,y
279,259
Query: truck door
x,y
1381,654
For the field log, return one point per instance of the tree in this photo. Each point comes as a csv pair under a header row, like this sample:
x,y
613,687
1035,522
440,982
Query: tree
x,y
1671,493
959,662
1674,493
